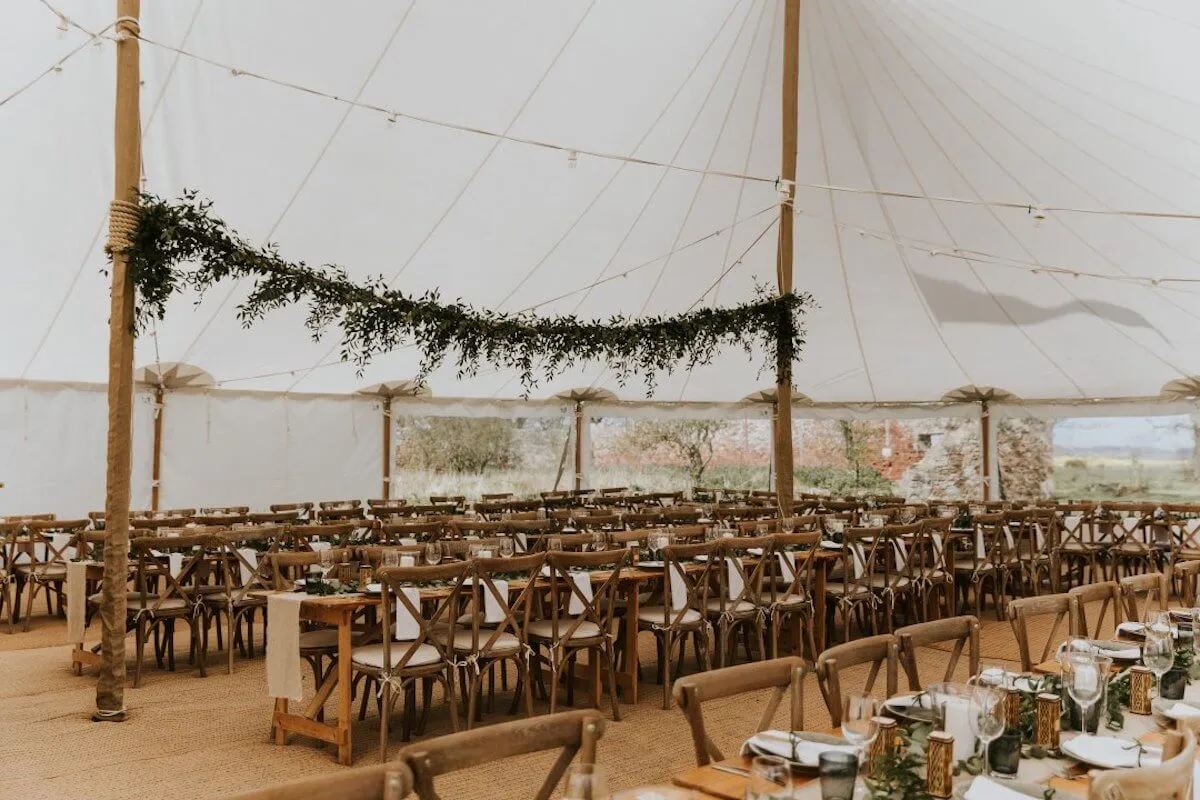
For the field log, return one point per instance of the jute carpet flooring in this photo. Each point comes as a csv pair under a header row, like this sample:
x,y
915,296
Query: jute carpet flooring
x,y
189,737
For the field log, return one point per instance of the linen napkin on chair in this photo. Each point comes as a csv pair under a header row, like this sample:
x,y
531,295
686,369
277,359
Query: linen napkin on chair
x,y
248,563
76,601
493,608
583,581
59,542
787,565
733,577
319,546
175,563
283,645
407,627
679,590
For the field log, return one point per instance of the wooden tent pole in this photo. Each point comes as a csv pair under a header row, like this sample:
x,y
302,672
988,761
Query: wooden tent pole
x,y
127,143
985,436
783,388
578,445
156,466
387,448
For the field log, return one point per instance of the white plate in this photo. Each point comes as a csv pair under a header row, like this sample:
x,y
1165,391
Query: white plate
x,y
373,588
1177,709
828,545
903,707
1109,752
778,743
651,564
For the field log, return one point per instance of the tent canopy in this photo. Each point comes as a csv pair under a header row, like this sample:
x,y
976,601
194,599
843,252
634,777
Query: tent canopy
x,y
497,151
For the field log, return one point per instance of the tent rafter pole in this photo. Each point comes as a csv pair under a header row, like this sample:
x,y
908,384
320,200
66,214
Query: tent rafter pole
x,y
110,688
578,445
985,442
784,466
160,407
387,448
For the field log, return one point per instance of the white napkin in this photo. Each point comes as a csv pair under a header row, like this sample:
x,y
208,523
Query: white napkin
x,y
1109,751
778,743
987,789
1071,523
407,561
248,563
493,607
522,542
77,601
787,565
679,590
583,581
407,540
407,628
734,578
980,544
859,558
319,546
901,553
283,646
175,563
1121,654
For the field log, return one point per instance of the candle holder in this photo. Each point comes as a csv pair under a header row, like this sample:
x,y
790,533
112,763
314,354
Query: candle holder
x,y
1048,712
885,740
1140,681
939,764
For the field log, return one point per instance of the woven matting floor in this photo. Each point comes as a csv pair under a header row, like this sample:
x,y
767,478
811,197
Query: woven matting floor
x,y
188,737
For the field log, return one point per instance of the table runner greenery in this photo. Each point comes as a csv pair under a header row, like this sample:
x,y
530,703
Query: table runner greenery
x,y
180,244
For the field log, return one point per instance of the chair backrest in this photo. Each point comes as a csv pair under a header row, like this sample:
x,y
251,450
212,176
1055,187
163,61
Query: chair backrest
x,y
361,783
695,583
386,509
288,567
795,555
394,532
486,636
249,571
1187,572
338,535
1143,593
298,507
1108,594
394,580
962,631
598,522
339,504
861,562
462,528
784,675
905,554
575,732
372,555
336,514
272,517
1023,609
1170,780
878,651
181,585
733,553
598,609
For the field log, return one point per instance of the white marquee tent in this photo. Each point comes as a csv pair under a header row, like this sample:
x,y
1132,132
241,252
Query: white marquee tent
x,y
989,193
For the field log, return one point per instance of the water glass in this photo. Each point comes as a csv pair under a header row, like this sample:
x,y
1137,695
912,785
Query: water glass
x,y
433,553
838,772
1084,682
554,543
506,547
586,782
770,779
599,541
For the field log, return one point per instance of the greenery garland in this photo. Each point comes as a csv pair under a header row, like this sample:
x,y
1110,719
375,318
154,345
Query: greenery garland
x,y
180,244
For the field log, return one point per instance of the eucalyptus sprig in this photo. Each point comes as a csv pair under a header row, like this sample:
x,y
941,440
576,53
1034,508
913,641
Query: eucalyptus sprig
x,y
897,775
180,245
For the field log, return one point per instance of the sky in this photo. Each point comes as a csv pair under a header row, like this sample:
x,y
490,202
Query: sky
x,y
1133,433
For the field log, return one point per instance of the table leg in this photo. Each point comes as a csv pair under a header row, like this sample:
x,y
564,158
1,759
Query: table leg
x,y
281,707
820,577
630,677
345,687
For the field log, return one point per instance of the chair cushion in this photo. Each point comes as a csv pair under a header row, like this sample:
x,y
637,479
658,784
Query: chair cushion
x,y
50,572
372,655
505,642
544,629
133,602
654,615
320,639
793,601
740,607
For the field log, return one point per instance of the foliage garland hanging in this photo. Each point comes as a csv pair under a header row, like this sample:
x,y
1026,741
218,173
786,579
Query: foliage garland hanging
x,y
180,244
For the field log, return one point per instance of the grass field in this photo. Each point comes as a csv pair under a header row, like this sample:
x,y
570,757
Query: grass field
x,y
1102,477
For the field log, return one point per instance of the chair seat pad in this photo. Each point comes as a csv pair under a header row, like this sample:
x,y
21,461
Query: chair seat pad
x,y
544,629
740,607
49,572
320,639
654,616
793,601
504,643
372,655
133,602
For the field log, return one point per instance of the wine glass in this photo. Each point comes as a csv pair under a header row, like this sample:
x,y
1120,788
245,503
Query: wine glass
x,y
1084,681
433,553
1158,653
858,723
769,779
505,547
987,719
554,543
599,540
586,782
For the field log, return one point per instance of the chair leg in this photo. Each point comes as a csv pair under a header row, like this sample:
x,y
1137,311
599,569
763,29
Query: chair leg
x,y
141,646
384,719
664,663
426,702
611,669
476,684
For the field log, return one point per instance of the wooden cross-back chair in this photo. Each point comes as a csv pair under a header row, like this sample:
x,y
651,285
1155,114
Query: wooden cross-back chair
x,y
790,590
935,582
564,635
863,575
272,517
398,666
249,570
340,514
1143,593
575,732
149,525
784,675
682,610
1024,609
1185,574
483,644
878,651
304,510
325,505
493,496
746,609
463,528
220,520
1108,594
1077,552
902,545
1131,551
50,545
389,533
635,520
1042,536
178,596
224,510
300,537
987,563
9,535
962,631
361,783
